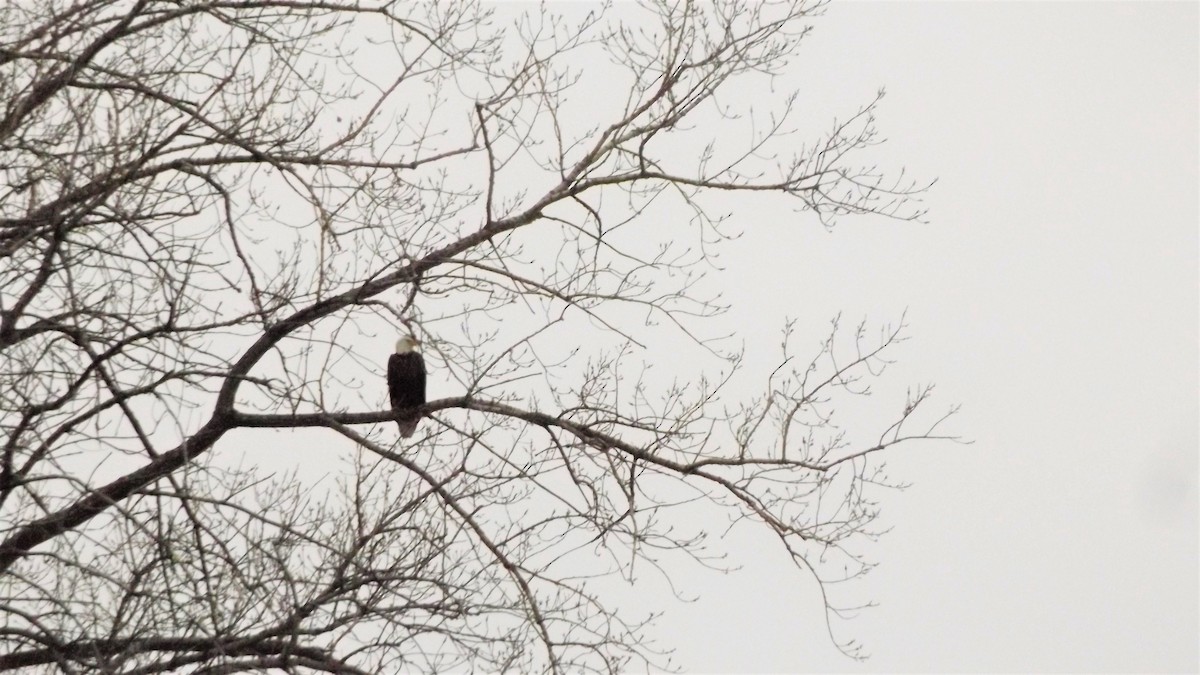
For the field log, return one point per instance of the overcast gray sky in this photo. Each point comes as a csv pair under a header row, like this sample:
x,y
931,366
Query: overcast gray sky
x,y
1054,294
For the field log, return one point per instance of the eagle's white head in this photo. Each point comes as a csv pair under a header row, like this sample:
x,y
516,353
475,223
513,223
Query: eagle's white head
x,y
406,344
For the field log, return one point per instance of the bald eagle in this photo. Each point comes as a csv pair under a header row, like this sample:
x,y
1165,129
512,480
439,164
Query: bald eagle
x,y
406,382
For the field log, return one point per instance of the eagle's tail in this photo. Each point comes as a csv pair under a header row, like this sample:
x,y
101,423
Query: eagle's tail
x,y
408,426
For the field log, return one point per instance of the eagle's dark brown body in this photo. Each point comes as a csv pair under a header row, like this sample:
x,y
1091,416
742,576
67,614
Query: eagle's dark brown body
x,y
406,386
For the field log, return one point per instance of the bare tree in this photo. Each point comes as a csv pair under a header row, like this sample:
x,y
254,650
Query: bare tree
x,y
215,217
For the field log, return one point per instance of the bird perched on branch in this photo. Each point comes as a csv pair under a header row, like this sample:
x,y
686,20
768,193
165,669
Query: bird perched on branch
x,y
406,382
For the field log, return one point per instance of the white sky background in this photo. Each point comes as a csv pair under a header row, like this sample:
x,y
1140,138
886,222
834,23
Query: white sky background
x,y
1053,293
